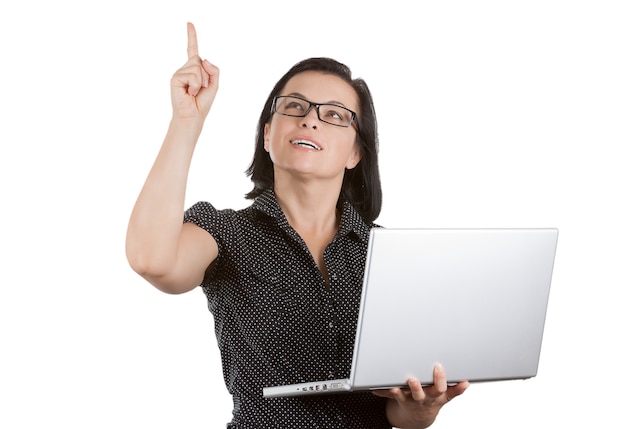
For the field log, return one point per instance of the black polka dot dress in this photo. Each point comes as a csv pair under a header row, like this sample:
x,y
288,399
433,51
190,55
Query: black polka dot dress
x,y
277,322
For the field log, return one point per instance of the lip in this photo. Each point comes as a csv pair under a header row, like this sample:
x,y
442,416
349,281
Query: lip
x,y
313,144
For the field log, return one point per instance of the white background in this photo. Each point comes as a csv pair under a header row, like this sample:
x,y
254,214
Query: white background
x,y
491,114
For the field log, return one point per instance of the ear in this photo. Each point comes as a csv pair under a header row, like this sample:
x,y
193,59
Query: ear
x,y
266,137
355,157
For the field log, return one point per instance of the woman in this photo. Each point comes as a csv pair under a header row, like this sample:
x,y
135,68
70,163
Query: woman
x,y
282,276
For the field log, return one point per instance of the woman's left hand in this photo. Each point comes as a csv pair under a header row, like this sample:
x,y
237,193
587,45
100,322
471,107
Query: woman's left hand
x,y
418,406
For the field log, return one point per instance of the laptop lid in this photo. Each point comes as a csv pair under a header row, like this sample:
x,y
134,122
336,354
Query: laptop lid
x,y
474,300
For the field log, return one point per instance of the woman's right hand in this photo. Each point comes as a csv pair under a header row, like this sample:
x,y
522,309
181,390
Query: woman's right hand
x,y
194,85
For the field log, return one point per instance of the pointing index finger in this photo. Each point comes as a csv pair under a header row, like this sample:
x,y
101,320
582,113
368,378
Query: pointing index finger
x,y
192,41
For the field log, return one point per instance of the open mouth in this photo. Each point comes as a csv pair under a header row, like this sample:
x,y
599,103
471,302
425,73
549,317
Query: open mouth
x,y
306,143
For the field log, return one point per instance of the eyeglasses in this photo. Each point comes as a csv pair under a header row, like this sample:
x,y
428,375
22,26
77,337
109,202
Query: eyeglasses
x,y
333,114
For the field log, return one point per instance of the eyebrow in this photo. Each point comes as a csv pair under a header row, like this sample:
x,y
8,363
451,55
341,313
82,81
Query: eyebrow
x,y
335,102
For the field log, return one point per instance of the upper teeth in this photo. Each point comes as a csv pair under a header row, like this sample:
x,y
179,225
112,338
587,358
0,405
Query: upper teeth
x,y
306,143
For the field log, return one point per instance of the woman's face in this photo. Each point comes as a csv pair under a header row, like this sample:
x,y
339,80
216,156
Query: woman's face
x,y
308,147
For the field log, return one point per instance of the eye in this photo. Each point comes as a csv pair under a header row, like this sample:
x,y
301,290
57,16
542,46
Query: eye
x,y
335,114
294,105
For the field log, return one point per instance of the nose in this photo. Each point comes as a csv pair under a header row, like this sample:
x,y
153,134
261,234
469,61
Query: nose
x,y
311,119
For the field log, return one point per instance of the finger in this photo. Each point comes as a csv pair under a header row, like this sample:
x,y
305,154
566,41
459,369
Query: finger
x,y
417,391
395,393
457,389
192,41
188,80
440,384
208,72
383,393
210,68
197,67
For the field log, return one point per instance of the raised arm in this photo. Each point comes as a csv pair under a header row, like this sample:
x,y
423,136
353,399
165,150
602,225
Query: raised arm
x,y
171,255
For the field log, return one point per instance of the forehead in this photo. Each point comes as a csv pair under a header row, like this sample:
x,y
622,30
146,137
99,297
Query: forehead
x,y
322,88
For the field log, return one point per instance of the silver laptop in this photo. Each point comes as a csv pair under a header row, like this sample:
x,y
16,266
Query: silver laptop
x,y
474,300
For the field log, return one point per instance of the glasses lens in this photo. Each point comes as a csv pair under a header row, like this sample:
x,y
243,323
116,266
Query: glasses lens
x,y
335,115
291,106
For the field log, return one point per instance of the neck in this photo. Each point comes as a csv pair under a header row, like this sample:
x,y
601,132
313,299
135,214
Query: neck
x,y
309,207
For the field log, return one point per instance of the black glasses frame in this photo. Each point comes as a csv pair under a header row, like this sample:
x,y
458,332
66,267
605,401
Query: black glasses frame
x,y
353,119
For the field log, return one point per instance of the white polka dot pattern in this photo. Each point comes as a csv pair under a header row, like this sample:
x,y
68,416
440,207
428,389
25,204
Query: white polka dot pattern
x,y
277,322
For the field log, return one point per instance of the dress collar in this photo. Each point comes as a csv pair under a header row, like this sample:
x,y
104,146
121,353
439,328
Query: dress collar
x,y
351,221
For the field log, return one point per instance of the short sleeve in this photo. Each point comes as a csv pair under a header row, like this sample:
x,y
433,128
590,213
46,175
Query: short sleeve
x,y
218,223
